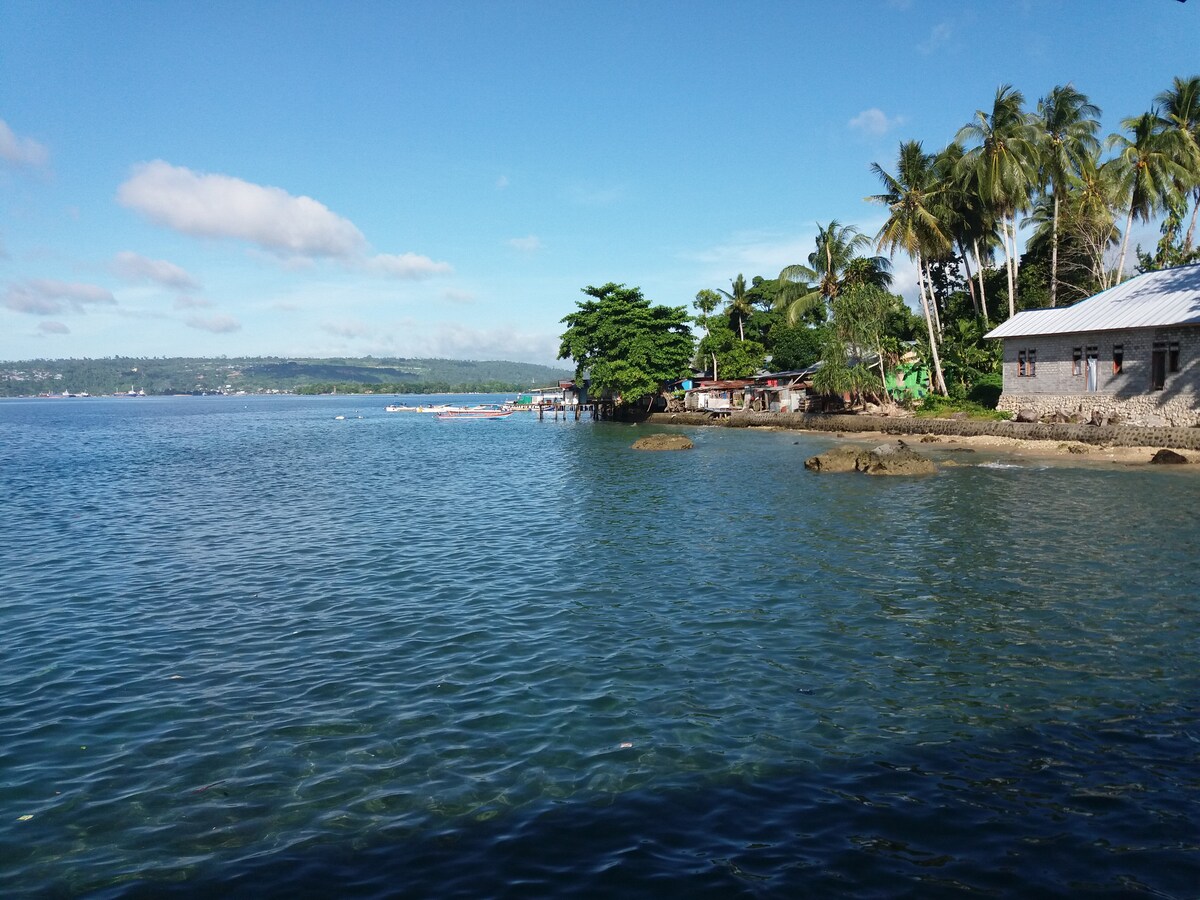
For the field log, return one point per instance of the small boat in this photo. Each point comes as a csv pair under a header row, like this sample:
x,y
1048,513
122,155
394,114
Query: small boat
x,y
397,407
476,412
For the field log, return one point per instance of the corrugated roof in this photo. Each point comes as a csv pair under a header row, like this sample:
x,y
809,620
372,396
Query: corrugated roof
x,y
1155,299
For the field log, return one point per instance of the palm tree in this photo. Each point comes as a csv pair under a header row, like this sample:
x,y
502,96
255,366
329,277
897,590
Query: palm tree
x,y
964,218
1146,169
739,304
1005,165
1066,131
912,225
834,265
1092,214
1179,119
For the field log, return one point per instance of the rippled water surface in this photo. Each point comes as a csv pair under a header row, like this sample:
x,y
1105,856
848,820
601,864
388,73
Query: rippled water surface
x,y
250,649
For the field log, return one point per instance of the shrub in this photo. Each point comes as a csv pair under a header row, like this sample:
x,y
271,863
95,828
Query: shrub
x,y
986,391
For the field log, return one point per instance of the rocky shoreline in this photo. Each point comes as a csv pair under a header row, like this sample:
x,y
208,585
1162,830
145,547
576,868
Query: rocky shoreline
x,y
1115,443
1100,436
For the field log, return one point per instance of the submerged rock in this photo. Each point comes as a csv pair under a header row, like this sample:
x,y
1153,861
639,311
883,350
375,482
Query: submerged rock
x,y
663,442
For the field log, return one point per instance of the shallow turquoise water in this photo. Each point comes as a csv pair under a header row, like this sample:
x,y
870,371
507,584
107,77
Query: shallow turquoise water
x,y
251,649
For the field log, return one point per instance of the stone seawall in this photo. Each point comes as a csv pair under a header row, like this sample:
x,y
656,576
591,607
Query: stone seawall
x,y
1180,438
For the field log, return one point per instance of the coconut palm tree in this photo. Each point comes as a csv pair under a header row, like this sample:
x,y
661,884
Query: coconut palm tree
x,y
835,264
1179,119
964,218
1005,163
912,225
1147,170
740,304
1066,125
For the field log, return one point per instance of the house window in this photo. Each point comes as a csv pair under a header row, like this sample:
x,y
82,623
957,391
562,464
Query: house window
x,y
1077,361
1173,356
1158,366
1032,363
1021,373
1118,358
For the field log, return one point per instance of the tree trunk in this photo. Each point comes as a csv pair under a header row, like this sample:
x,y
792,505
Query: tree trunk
x,y
937,317
940,383
1125,242
1187,241
714,356
962,251
982,294
1054,253
1008,262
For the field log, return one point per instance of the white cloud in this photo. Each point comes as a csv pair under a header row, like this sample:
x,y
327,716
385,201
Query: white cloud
x,y
455,296
347,328
875,122
215,324
406,265
136,268
595,195
46,297
938,37
501,182
221,206
456,341
53,328
530,244
758,253
186,301
20,151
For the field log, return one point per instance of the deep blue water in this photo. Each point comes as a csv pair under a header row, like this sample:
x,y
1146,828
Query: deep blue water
x,y
248,649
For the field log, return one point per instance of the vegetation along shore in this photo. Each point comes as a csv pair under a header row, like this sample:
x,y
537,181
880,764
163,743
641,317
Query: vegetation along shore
x,y
840,339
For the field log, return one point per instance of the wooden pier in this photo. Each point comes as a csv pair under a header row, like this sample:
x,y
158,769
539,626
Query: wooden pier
x,y
598,409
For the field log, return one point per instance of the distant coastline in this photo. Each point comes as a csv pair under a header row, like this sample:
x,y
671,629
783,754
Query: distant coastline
x,y
166,376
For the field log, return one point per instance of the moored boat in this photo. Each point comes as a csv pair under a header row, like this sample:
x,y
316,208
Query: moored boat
x,y
476,412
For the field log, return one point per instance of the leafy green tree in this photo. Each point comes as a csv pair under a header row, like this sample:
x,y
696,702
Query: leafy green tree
x,y
626,345
860,320
732,356
706,303
839,374
794,347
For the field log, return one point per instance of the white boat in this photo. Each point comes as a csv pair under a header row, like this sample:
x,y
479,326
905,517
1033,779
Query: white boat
x,y
476,412
399,407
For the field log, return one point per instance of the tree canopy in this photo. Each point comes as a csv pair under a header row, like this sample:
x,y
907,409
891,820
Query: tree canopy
x,y
626,345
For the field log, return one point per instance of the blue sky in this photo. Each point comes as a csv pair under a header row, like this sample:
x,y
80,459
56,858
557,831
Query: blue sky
x,y
442,178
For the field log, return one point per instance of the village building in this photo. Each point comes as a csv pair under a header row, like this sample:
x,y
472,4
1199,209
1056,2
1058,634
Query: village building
x,y
1131,353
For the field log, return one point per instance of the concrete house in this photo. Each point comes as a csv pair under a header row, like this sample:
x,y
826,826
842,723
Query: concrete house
x,y
1132,352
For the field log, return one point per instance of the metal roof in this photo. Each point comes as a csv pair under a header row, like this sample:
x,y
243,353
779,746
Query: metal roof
x,y
1155,299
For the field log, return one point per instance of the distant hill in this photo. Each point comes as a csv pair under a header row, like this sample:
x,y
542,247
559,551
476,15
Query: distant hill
x,y
188,375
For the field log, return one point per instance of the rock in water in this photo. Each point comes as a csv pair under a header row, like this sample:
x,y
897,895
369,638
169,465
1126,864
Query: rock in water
x,y
887,459
896,459
839,459
663,442
1168,457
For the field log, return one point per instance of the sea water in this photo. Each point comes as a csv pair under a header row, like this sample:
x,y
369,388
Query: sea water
x,y
285,646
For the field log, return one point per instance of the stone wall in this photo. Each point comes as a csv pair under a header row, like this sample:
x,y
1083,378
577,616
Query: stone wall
x,y
1059,385
1178,437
